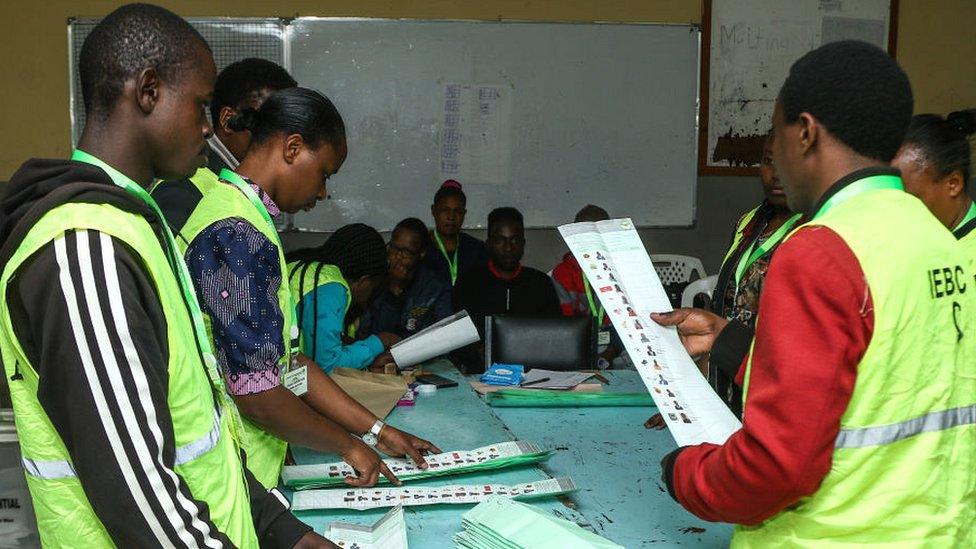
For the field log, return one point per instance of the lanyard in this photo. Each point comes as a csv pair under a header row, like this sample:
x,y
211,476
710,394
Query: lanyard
x,y
861,186
753,253
451,265
597,313
970,215
235,179
172,254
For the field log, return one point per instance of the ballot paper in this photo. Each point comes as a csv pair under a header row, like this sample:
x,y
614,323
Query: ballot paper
x,y
439,338
500,523
361,499
554,380
390,532
616,264
495,456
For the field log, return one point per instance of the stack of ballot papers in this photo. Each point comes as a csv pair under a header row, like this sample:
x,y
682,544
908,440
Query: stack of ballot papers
x,y
437,339
568,399
484,388
496,456
390,532
500,523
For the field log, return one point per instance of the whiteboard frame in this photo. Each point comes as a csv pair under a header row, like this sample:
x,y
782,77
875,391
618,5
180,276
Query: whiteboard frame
x,y
290,226
704,62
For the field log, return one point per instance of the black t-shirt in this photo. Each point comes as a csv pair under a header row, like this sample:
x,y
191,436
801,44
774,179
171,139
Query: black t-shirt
x,y
481,293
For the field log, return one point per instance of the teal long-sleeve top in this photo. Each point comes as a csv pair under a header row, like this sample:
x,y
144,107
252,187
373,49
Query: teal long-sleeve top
x,y
323,314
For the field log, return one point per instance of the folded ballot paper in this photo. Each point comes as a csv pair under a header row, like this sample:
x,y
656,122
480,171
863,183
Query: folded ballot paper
x,y
499,523
437,339
390,532
360,499
496,456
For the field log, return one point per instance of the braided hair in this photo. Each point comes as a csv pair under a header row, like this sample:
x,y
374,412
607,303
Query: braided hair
x,y
357,250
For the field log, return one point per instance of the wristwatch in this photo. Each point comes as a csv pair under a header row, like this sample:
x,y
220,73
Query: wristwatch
x,y
372,438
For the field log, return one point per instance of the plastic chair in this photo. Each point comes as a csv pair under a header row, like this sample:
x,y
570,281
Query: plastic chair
x,y
673,269
701,286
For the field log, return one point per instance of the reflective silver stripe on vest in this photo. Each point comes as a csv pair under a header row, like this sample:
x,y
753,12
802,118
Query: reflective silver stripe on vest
x,y
52,470
887,434
200,446
48,470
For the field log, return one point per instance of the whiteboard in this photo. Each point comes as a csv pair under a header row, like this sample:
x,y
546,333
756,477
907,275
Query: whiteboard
x,y
753,43
547,117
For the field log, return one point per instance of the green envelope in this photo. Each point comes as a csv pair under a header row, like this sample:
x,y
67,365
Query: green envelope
x,y
543,398
500,523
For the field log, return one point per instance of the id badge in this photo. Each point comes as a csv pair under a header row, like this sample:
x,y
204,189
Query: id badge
x,y
296,378
603,338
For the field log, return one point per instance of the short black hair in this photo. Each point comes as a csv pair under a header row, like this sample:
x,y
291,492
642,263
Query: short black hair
x,y
290,111
241,79
133,38
857,91
591,213
502,215
417,227
944,142
448,189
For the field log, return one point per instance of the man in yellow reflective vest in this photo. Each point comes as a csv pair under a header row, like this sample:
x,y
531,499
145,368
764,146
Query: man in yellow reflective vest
x,y
859,391
126,435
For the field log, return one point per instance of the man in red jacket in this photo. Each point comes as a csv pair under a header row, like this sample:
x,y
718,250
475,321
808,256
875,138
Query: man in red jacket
x,y
577,299
858,409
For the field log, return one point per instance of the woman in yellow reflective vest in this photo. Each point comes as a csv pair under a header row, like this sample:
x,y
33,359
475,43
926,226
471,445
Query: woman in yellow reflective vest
x,y
935,165
236,262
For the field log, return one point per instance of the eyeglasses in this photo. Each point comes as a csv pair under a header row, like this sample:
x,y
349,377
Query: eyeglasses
x,y
395,250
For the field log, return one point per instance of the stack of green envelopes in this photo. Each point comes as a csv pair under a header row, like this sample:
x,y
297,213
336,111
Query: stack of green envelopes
x,y
542,399
500,523
496,456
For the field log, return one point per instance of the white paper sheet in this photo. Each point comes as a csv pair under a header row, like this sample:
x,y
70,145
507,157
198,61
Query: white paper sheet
x,y
557,380
616,264
439,338
475,139
291,474
390,532
372,498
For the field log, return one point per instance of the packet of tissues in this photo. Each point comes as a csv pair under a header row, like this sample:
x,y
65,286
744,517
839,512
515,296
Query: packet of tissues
x,y
503,374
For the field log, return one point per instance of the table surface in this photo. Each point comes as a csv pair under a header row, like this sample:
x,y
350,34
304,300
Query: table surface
x,y
613,460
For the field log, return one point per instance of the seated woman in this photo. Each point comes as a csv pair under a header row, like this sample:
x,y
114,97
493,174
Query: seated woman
x,y
327,282
414,298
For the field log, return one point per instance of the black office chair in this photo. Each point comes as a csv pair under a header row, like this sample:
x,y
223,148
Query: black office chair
x,y
548,342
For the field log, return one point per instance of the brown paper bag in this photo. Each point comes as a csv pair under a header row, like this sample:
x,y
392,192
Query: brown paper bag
x,y
379,393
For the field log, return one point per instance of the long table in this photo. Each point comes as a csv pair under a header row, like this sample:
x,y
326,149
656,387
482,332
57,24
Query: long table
x,y
613,460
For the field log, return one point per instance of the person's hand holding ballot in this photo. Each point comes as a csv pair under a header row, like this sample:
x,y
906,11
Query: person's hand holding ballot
x,y
697,328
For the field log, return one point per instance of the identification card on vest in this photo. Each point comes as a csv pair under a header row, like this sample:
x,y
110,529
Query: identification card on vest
x,y
604,337
296,379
